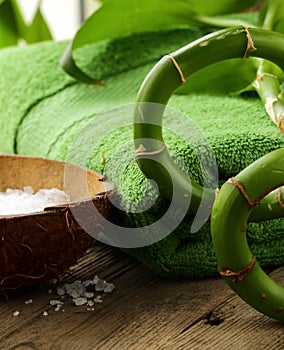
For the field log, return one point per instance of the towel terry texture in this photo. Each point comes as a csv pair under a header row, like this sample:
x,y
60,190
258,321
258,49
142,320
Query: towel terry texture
x,y
46,113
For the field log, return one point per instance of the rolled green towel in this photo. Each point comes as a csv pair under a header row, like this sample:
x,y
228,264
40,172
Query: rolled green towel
x,y
46,113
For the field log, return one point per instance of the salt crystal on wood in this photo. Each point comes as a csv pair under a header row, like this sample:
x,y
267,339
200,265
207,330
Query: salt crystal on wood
x,y
100,285
89,294
90,303
80,301
83,292
109,287
55,302
98,299
58,307
60,291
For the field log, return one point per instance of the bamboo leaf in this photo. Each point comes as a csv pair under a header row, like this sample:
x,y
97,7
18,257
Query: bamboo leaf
x,y
279,27
13,26
38,30
212,8
231,76
126,17
272,15
8,27
220,7
20,22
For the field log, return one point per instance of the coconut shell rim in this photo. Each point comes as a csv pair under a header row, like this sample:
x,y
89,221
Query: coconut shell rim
x,y
108,192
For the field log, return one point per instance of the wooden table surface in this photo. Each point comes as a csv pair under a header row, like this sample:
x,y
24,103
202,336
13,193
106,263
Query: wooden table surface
x,y
144,311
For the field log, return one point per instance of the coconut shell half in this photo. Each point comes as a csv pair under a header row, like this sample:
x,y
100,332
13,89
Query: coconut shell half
x,y
37,247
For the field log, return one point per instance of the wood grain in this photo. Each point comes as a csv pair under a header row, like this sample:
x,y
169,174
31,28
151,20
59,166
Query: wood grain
x,y
145,311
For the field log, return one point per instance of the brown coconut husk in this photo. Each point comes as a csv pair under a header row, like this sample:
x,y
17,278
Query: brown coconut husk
x,y
37,247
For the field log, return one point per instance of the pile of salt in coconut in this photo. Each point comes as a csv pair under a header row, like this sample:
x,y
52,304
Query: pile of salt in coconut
x,y
26,201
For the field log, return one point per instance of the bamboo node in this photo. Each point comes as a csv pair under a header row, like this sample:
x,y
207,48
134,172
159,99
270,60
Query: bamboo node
x,y
278,310
182,78
279,198
204,43
142,151
270,109
265,74
240,275
250,43
280,122
217,190
239,186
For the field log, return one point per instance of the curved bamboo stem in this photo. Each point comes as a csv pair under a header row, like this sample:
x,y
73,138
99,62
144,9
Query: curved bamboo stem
x,y
267,83
228,226
165,78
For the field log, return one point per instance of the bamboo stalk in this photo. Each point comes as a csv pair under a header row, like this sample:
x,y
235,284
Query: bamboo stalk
x,y
268,80
267,85
161,83
228,226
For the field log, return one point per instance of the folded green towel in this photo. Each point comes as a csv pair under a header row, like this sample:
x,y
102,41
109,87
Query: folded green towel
x,y
46,113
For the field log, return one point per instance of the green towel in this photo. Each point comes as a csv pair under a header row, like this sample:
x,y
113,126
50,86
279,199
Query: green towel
x,y
44,112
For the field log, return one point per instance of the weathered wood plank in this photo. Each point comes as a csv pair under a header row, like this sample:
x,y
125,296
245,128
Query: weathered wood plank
x,y
234,325
144,311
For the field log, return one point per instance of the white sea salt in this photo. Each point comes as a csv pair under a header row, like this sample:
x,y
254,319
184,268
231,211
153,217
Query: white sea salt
x,y
80,301
98,299
58,307
87,283
60,291
16,313
45,313
16,201
109,287
95,280
53,281
75,290
88,292
55,302
100,285
90,303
